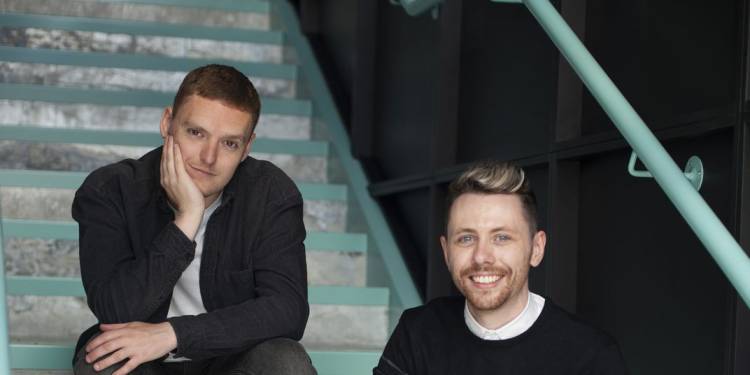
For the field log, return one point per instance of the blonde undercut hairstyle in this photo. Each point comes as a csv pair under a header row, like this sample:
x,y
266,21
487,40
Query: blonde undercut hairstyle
x,y
496,177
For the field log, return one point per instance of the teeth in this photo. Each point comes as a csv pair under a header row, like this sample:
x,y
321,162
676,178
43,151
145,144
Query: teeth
x,y
485,279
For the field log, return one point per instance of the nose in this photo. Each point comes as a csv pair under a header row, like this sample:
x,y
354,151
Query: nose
x,y
208,152
483,253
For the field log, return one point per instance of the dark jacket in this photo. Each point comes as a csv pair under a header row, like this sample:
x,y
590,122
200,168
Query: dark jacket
x,y
252,277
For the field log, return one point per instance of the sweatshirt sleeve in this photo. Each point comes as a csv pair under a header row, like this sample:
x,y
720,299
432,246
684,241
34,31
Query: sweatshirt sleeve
x,y
397,358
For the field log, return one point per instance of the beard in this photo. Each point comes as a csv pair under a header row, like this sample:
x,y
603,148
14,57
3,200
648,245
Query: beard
x,y
484,299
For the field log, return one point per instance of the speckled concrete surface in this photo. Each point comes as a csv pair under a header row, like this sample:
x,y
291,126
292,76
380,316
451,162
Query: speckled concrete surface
x,y
89,116
120,79
140,12
96,41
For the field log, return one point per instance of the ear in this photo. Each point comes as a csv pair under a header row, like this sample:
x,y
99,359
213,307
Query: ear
x,y
166,122
444,245
248,146
537,248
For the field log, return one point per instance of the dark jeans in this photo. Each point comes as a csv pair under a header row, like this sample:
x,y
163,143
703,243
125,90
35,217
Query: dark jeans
x,y
276,356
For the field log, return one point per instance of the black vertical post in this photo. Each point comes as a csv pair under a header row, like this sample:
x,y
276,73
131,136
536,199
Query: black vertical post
x,y
363,90
740,332
561,257
444,142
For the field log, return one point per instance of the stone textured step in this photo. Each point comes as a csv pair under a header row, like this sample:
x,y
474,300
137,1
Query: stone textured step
x,y
97,41
140,12
47,257
120,79
62,319
91,116
54,204
86,158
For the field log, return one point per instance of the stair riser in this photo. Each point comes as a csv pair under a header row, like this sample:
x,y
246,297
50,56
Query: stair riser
x,y
86,158
89,116
94,41
42,257
139,12
120,79
54,204
62,319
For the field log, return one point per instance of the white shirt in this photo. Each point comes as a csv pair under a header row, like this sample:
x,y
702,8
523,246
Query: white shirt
x,y
515,327
186,295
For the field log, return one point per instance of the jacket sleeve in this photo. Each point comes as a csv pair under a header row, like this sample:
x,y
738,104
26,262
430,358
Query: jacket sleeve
x,y
280,307
124,284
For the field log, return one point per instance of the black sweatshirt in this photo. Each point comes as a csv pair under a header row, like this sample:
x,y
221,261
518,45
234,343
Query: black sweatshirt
x,y
253,278
434,339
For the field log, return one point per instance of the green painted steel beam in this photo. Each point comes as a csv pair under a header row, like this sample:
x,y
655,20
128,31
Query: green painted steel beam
x,y
72,287
73,180
719,242
139,61
68,230
114,26
137,98
33,133
252,6
58,356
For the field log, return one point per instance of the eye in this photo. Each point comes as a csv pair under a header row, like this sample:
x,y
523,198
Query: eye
x,y
465,239
232,145
194,132
502,237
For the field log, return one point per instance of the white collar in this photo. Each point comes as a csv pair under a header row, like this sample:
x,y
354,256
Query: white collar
x,y
515,327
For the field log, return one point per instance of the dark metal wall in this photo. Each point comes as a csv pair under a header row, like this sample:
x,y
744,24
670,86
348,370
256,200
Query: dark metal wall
x,y
424,96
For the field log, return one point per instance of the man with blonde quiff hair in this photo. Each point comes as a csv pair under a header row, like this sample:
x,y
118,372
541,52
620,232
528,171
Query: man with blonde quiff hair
x,y
497,325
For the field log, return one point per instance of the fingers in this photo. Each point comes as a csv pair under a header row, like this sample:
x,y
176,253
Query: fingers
x,y
116,357
128,367
103,350
179,164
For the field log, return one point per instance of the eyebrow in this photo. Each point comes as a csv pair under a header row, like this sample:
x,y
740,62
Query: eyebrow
x,y
239,137
497,229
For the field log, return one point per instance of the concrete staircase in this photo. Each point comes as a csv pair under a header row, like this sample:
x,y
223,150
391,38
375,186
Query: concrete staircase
x,y
83,84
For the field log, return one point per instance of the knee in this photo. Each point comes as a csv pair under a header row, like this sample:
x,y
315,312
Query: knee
x,y
281,356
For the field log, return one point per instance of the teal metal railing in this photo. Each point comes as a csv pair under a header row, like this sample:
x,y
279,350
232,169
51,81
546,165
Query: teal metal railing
x,y
702,220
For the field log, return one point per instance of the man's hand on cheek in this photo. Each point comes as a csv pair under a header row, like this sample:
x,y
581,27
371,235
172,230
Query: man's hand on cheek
x,y
181,189
135,342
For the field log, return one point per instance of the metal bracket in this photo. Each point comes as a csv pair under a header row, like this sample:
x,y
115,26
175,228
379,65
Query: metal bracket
x,y
693,170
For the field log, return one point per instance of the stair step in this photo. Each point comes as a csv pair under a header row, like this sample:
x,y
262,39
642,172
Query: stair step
x,y
140,38
253,16
144,28
30,194
49,356
73,180
33,133
68,230
104,117
136,98
122,71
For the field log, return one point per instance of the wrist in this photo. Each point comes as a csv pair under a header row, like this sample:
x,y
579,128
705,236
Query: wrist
x,y
188,223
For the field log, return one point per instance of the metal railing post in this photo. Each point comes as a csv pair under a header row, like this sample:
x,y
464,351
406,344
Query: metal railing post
x,y
715,237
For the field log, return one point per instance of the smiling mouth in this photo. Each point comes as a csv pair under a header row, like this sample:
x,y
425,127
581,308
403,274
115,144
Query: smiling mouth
x,y
483,281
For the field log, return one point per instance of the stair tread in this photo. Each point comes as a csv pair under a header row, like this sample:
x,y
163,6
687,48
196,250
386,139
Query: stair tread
x,y
139,61
144,28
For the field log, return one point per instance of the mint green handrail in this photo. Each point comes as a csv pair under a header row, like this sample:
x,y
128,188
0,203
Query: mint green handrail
x,y
4,351
715,237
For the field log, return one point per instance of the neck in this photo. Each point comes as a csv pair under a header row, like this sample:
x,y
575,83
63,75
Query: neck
x,y
509,310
